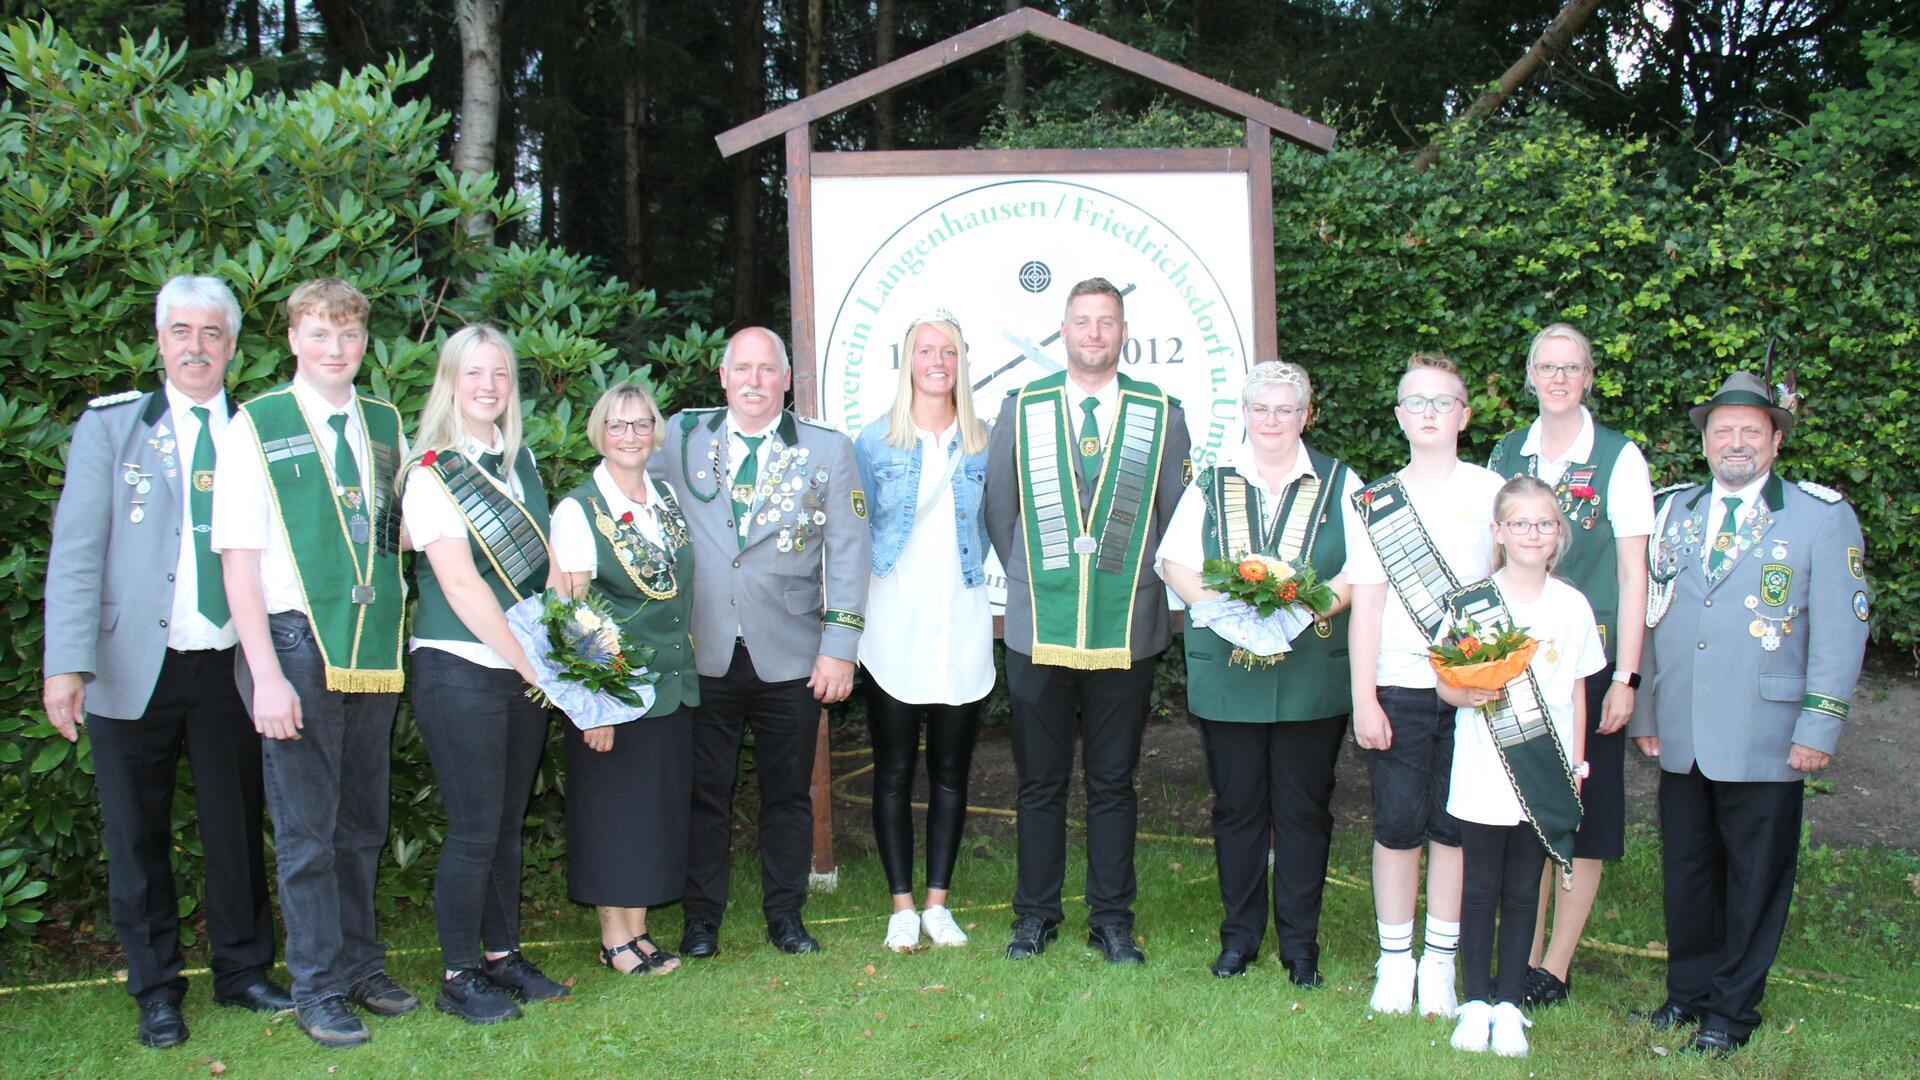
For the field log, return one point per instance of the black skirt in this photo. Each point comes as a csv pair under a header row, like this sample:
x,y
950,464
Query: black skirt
x,y
627,813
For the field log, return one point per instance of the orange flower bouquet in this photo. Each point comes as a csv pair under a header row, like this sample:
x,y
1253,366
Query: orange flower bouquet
x,y
1263,603
1472,657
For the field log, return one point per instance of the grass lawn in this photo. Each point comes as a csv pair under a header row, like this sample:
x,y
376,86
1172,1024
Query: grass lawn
x,y
853,1010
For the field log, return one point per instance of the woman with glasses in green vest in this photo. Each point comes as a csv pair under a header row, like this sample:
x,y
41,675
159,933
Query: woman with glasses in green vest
x,y
474,506
1272,731
1601,484
630,787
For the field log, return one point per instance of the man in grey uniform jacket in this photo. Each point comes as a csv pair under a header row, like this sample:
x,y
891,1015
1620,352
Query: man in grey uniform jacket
x,y
1758,606
139,647
781,556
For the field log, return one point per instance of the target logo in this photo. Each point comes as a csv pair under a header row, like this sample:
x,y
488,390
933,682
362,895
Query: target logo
x,y
1035,276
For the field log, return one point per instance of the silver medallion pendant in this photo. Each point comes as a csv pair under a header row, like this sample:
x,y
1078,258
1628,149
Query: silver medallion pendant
x,y
143,487
1085,545
1770,640
363,594
138,515
357,530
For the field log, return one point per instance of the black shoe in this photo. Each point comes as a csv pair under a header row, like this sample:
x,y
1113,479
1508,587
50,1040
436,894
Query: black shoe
x,y
161,1024
1031,935
473,997
700,939
1665,1018
1304,971
1714,1041
331,1024
522,981
1232,962
262,996
789,935
1544,989
1115,941
380,995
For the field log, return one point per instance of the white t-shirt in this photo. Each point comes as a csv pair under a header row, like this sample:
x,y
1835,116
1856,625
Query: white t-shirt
x,y
430,514
929,638
243,514
1458,515
1561,620
1629,495
1183,544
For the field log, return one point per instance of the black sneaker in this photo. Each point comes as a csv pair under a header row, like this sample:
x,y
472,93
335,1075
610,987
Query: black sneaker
x,y
1544,989
516,975
331,1024
380,995
473,997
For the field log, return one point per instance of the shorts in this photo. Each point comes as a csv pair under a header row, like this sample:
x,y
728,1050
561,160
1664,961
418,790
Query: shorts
x,y
1410,777
1603,797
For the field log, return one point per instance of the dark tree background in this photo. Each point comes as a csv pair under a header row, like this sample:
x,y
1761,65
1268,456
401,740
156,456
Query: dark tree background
x,y
608,108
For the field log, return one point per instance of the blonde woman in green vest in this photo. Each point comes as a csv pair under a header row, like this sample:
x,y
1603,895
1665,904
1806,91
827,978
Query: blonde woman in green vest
x,y
474,506
1600,482
1272,733
630,787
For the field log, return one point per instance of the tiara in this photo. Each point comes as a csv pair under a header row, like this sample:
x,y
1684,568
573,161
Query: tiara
x,y
938,314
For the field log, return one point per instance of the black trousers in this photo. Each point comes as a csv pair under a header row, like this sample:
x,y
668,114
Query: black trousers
x,y
1501,876
784,719
195,704
1109,711
1729,850
952,731
1272,790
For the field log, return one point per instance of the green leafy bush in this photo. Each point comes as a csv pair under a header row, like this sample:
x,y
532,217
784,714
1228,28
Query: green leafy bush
x,y
114,176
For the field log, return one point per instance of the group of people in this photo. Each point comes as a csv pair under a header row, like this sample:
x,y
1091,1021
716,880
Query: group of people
x,y
227,577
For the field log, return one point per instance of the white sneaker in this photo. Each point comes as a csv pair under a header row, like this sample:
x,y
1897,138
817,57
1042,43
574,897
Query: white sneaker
x,y
903,930
1393,977
1436,986
938,922
1509,1030
1476,1023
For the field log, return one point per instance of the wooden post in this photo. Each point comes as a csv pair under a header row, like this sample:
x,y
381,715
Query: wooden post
x,y
1266,344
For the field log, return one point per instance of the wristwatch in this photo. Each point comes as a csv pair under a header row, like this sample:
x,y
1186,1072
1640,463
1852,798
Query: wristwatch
x,y
1631,678
1581,770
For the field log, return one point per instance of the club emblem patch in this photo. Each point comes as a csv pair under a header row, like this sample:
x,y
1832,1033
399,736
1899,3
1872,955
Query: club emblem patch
x,y
1774,580
1857,564
1860,606
859,504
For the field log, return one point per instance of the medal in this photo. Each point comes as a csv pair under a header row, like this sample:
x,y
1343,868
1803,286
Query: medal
x,y
138,515
1089,446
1085,545
1553,653
799,543
820,476
357,530
785,543
203,480
819,517
166,445
363,594
742,493
1779,549
132,475
143,487
1758,627
1770,640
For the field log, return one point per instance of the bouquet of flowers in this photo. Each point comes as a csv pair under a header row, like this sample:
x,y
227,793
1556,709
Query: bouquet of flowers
x,y
582,658
1472,657
1263,605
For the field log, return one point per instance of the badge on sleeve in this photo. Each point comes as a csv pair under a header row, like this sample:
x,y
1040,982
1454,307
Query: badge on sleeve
x,y
859,504
1856,564
1774,580
1860,606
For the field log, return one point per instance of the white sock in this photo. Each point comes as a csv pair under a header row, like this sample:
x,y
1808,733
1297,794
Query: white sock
x,y
1443,939
1396,937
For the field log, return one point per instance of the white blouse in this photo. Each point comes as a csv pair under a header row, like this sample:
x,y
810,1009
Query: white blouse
x,y
575,551
430,514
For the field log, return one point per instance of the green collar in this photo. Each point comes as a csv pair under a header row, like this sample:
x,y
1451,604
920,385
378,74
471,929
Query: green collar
x,y
787,428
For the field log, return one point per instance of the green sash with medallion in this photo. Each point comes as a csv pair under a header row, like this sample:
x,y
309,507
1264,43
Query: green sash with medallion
x,y
344,540
1082,569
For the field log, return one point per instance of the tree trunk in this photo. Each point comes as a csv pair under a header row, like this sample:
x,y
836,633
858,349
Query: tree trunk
x,y
886,44
1558,33
479,97
349,40
816,34
289,27
743,169
203,20
250,18
1013,93
551,165
633,187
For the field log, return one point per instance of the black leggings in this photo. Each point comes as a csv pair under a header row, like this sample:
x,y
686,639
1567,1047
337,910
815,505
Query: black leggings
x,y
951,732
1502,868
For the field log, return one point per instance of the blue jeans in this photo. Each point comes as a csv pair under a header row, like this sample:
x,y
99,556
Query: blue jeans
x,y
327,792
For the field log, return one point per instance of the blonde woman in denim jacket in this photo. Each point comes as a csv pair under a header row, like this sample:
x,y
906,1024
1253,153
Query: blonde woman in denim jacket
x,y
928,646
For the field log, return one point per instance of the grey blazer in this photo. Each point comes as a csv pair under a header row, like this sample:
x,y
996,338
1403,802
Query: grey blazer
x,y
109,578
1711,690
1152,629
798,588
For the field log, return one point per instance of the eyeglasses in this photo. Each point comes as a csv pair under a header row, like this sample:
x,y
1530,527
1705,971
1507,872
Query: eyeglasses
x,y
1528,528
1274,412
617,428
1545,372
1441,403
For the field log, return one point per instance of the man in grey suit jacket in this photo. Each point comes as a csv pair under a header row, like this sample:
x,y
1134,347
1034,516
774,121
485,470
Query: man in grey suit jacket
x,y
139,647
1083,472
1759,613
781,554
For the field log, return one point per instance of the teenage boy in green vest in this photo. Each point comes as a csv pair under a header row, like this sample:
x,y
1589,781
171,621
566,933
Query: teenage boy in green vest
x,y
307,527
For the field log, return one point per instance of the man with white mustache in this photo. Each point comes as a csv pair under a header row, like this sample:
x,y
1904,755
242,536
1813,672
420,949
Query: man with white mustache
x,y
1758,609
782,550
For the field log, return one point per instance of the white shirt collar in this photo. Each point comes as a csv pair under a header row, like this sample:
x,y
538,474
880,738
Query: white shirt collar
x,y
475,447
1580,450
733,427
1244,463
181,406
315,404
1107,397
1746,495
617,501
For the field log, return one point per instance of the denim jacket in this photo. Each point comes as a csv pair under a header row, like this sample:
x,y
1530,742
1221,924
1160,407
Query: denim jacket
x,y
891,477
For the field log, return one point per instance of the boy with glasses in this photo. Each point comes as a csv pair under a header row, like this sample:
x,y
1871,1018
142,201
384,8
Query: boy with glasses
x,y
1428,527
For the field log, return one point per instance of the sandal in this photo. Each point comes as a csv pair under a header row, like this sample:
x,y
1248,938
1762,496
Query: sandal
x,y
659,955
658,959
645,965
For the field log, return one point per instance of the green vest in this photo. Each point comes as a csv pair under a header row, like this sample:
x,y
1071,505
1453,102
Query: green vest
x,y
1311,681
354,595
665,624
505,523
1591,562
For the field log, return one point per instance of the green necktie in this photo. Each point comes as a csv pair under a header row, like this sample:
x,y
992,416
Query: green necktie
x,y
1723,540
743,482
206,565
1089,457
346,472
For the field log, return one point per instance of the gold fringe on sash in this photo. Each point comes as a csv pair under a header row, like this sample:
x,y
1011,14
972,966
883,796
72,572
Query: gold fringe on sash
x,y
1082,659
366,681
